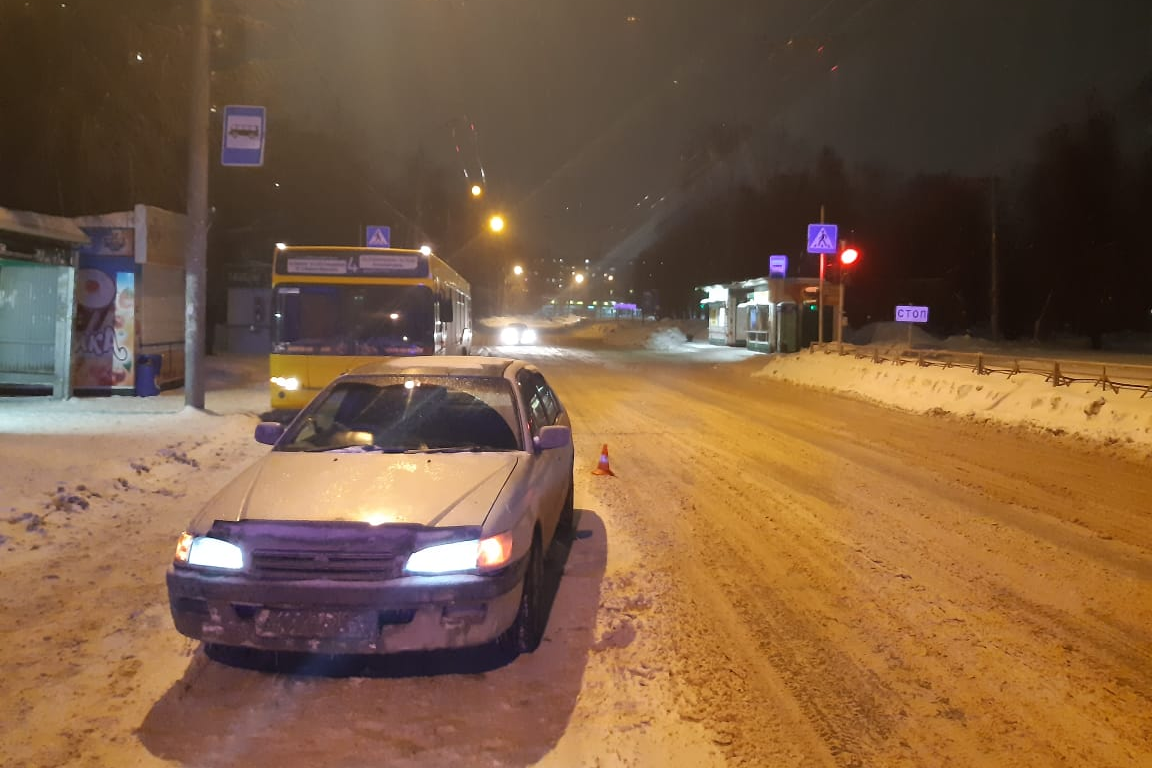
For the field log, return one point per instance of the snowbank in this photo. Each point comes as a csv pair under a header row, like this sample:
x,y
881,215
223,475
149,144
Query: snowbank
x,y
1123,417
1120,418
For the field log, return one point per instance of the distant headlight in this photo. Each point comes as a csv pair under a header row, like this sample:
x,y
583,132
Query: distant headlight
x,y
483,554
510,336
208,552
528,336
290,383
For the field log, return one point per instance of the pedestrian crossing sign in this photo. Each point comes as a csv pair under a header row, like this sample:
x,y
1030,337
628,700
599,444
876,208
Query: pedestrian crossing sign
x,y
822,238
378,237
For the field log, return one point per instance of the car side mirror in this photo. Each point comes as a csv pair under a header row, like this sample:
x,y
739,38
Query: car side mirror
x,y
268,432
554,436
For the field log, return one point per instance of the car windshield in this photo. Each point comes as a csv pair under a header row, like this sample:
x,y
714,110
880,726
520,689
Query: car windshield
x,y
402,414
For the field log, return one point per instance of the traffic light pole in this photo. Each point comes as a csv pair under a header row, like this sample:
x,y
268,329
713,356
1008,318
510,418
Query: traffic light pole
x,y
840,316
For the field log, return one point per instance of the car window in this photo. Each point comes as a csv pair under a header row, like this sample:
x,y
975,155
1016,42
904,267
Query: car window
x,y
551,401
536,413
547,398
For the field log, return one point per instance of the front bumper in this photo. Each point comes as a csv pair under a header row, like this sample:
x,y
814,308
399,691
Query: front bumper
x,y
411,613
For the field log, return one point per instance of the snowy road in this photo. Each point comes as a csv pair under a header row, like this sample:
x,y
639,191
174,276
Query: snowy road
x,y
835,584
774,577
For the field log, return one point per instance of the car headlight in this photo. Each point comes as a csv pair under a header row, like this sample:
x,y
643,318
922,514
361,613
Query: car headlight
x,y
509,336
475,554
208,552
290,383
528,336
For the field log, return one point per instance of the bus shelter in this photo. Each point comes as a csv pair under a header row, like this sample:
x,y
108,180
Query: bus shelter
x,y
765,314
38,264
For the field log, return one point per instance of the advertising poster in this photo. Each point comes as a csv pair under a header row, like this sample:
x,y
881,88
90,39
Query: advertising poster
x,y
105,332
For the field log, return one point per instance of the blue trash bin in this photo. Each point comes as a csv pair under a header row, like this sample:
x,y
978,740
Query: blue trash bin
x,y
147,369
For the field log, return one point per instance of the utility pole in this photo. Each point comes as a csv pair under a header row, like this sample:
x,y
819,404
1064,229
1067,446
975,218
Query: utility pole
x,y
196,253
993,210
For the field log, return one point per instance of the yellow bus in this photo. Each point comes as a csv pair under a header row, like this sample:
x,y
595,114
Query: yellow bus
x,y
336,307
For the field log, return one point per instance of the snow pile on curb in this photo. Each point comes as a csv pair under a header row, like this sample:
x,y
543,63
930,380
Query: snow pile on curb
x,y
1112,417
666,339
658,335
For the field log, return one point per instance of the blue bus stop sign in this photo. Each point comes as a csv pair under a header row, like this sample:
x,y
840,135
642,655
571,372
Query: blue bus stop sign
x,y
777,266
243,136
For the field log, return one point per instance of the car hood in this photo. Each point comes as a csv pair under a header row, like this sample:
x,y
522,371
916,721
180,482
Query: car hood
x,y
454,489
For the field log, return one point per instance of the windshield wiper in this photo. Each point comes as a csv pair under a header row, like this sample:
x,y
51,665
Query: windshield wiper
x,y
353,448
462,449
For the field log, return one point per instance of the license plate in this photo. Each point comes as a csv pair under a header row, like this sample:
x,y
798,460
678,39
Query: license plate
x,y
315,624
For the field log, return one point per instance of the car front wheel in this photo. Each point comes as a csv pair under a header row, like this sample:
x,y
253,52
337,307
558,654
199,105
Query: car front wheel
x,y
527,629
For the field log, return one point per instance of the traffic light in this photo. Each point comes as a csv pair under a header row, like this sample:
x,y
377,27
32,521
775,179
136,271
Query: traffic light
x,y
848,256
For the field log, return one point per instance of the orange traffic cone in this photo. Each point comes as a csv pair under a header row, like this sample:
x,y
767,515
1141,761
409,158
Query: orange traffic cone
x,y
602,468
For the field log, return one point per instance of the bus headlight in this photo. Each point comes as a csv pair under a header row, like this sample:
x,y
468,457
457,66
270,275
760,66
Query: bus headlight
x,y
290,383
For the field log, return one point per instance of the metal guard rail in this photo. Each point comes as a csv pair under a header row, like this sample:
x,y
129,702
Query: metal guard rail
x,y
1058,371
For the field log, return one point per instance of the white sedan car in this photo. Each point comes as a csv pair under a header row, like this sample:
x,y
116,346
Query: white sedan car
x,y
408,507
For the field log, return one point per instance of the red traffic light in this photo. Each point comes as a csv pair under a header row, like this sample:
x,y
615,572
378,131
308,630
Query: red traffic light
x,y
849,256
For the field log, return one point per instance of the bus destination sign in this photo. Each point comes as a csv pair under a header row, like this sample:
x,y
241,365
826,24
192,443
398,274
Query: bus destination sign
x,y
356,264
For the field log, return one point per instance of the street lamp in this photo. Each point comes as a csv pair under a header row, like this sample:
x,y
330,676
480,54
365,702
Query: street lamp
x,y
496,223
511,295
477,190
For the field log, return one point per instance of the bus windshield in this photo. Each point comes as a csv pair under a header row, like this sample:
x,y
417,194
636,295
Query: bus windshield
x,y
353,320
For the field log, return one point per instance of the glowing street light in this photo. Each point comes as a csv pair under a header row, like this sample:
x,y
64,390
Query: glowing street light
x,y
517,270
477,190
496,223
578,277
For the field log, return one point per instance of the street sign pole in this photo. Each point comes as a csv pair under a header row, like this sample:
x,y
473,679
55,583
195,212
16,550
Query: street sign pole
x,y
820,294
822,240
911,314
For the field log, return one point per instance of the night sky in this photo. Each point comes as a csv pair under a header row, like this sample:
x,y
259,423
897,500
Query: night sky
x,y
589,115
584,108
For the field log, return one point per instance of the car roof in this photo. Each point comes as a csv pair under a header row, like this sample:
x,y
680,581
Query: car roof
x,y
438,365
